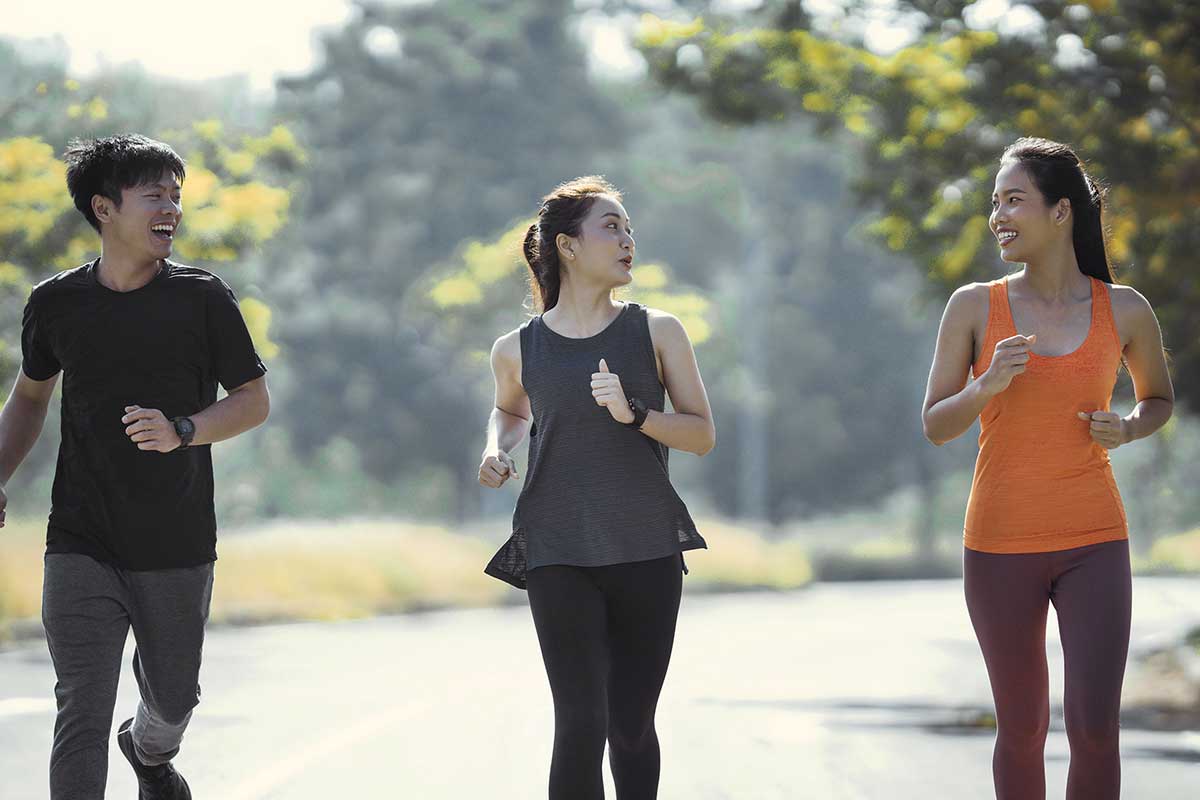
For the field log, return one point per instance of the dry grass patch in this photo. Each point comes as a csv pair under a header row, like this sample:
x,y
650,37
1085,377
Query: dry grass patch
x,y
22,543
328,570
1179,553
739,557
332,570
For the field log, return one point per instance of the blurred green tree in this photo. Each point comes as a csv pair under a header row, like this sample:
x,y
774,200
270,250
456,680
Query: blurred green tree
x,y
233,199
809,368
435,124
1118,79
237,194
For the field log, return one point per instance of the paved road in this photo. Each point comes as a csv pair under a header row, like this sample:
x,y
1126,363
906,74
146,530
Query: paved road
x,y
839,692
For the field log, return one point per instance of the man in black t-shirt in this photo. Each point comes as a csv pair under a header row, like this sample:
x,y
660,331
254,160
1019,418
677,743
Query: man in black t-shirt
x,y
142,343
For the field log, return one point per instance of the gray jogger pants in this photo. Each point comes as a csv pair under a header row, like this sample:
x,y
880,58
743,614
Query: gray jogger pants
x,y
87,610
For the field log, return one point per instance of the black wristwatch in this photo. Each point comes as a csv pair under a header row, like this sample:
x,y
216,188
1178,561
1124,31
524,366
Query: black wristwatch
x,y
639,413
186,429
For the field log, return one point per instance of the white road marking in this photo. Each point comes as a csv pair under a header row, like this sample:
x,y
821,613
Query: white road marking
x,y
284,771
16,706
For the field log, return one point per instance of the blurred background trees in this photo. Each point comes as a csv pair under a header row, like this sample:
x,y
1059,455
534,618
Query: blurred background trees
x,y
1118,80
806,192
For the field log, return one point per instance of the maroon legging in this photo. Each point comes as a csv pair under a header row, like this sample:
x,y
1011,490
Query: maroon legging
x,y
1007,597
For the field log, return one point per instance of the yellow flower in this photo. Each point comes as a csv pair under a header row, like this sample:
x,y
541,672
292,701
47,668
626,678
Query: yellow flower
x,y
455,291
656,31
258,321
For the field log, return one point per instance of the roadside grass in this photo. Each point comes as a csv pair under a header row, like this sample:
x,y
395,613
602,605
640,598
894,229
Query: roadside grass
x,y
740,558
22,543
330,570
321,570
1178,554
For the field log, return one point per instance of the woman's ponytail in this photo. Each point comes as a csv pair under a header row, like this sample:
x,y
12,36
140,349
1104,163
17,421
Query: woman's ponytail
x,y
562,212
1059,173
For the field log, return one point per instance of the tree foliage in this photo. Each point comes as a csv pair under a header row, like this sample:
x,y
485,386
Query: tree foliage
x,y
236,195
1118,79
436,124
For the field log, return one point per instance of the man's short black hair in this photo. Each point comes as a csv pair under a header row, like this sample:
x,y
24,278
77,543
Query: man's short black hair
x,y
109,165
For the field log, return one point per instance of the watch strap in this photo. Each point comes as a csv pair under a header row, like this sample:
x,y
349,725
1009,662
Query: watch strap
x,y
639,413
185,429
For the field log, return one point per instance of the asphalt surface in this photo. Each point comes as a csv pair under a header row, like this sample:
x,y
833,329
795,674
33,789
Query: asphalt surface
x,y
838,692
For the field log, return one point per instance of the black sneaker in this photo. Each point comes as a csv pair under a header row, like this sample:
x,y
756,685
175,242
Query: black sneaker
x,y
154,783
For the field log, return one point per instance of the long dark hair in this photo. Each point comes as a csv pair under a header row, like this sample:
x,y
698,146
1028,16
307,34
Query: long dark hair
x,y
1058,173
562,211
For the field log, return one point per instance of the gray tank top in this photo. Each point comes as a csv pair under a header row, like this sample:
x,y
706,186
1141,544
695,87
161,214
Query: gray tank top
x,y
596,492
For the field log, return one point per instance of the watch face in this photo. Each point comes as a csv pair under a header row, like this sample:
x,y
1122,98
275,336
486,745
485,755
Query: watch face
x,y
185,429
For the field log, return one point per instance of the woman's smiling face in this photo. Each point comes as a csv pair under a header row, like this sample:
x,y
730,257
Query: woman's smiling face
x,y
1021,220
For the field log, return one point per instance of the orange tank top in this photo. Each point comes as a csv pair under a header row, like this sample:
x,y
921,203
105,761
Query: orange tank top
x,y
1041,484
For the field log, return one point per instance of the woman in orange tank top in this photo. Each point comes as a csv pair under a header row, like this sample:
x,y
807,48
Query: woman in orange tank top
x,y
1045,523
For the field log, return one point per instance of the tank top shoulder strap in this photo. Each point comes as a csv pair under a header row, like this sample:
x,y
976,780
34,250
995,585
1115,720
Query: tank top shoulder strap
x,y
999,322
528,335
1103,318
524,334
999,315
632,322
637,312
639,317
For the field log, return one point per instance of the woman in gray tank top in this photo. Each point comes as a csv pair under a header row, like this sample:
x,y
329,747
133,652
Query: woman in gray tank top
x,y
598,532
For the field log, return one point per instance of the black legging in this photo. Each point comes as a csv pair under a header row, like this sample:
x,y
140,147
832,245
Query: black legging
x,y
1008,597
606,635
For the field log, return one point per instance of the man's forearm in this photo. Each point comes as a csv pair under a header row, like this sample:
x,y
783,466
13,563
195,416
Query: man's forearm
x,y
243,409
21,422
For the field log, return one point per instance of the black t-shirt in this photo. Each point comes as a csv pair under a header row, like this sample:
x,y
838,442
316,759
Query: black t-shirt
x,y
165,345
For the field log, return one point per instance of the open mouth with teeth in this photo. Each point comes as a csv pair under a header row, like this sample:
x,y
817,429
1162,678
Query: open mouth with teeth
x,y
163,231
1006,237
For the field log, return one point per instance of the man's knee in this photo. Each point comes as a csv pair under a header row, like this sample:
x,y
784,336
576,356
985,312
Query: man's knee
x,y
175,712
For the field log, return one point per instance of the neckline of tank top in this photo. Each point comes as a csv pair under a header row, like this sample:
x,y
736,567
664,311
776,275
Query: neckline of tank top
x,y
1091,331
625,307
